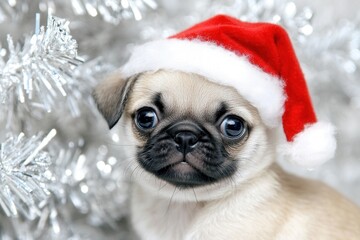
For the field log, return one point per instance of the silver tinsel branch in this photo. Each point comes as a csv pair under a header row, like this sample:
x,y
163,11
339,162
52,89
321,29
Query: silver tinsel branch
x,y
12,10
76,177
36,76
24,175
111,11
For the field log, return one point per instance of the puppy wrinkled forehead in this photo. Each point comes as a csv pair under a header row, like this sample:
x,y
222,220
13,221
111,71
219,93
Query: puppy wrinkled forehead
x,y
187,94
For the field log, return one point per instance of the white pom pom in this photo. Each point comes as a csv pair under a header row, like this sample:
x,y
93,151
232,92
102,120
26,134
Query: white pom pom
x,y
313,146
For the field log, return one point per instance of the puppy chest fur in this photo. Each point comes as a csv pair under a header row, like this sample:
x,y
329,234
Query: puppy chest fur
x,y
202,165
273,206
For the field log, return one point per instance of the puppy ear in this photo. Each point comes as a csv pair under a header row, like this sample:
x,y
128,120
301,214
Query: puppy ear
x,y
111,96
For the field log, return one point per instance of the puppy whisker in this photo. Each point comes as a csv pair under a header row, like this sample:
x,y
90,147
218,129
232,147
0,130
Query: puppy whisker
x,y
195,195
129,168
165,183
134,170
168,207
127,159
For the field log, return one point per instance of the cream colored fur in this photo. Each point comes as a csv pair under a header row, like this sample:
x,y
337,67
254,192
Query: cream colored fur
x,y
260,201
274,205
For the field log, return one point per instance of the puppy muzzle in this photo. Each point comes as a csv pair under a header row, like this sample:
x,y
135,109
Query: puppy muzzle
x,y
185,154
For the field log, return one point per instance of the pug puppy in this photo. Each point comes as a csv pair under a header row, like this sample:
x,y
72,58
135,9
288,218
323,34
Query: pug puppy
x,y
202,165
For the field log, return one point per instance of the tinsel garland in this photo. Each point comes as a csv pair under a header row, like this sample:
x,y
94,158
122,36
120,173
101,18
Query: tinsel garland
x,y
46,184
59,178
112,11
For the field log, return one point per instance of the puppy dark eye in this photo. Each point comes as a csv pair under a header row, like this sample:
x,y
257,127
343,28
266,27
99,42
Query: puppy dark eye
x,y
233,127
146,118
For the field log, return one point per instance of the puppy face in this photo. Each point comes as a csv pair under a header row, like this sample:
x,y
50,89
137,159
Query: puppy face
x,y
184,133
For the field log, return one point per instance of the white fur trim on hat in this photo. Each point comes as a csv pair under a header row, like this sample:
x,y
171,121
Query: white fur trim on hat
x,y
313,146
219,65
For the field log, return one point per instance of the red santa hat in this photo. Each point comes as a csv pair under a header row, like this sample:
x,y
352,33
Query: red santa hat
x,y
258,60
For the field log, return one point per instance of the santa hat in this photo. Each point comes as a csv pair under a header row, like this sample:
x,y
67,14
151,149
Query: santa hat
x,y
258,60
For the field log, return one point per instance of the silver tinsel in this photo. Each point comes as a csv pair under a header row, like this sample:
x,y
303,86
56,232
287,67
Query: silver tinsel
x,y
37,75
24,174
44,87
73,187
12,10
112,11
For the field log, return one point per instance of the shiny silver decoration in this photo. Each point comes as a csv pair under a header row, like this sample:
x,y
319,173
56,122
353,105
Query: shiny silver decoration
x,y
113,11
331,60
24,174
36,75
13,10
46,185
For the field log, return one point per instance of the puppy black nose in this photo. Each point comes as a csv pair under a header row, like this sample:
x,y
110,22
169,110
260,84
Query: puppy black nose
x,y
186,141
186,135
